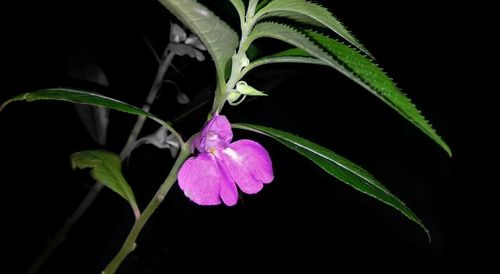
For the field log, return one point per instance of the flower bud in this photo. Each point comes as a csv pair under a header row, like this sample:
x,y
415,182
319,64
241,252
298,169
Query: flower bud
x,y
243,88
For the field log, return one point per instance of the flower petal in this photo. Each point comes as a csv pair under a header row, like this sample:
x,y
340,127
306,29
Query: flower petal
x,y
217,133
228,190
196,143
249,164
203,181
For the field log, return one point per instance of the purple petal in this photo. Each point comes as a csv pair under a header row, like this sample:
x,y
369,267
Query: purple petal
x,y
217,134
228,191
249,164
204,182
196,143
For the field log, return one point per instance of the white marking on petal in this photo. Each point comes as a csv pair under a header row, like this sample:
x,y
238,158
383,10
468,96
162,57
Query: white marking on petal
x,y
232,154
212,136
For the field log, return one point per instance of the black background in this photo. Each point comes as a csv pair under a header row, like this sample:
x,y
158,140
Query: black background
x,y
303,218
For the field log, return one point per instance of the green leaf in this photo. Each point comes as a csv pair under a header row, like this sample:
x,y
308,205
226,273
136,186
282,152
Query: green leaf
x,y
337,166
220,40
82,97
288,56
378,83
299,40
240,7
352,64
262,3
106,169
308,13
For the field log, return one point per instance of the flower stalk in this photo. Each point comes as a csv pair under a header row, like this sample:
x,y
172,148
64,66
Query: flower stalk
x,y
89,199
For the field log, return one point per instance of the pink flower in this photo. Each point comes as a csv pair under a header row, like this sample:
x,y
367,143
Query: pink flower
x,y
213,174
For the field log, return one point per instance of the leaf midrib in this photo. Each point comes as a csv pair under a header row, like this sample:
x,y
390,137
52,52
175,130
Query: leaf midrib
x,y
368,180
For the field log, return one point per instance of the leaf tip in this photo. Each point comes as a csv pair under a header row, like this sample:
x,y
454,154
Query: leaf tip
x,y
444,146
13,99
4,105
74,161
74,165
448,150
428,233
421,224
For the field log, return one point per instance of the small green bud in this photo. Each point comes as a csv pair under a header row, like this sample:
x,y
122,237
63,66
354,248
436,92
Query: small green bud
x,y
244,62
233,97
243,88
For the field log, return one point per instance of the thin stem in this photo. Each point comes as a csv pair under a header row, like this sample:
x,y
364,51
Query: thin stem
x,y
130,243
61,234
153,92
252,5
237,59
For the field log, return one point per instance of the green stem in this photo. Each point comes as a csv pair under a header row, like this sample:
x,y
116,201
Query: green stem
x,y
237,59
252,5
61,234
130,243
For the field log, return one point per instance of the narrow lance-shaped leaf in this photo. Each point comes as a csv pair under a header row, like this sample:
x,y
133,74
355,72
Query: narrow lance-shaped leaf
x,y
309,13
219,39
294,55
106,169
262,3
378,83
352,64
337,166
240,8
82,97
